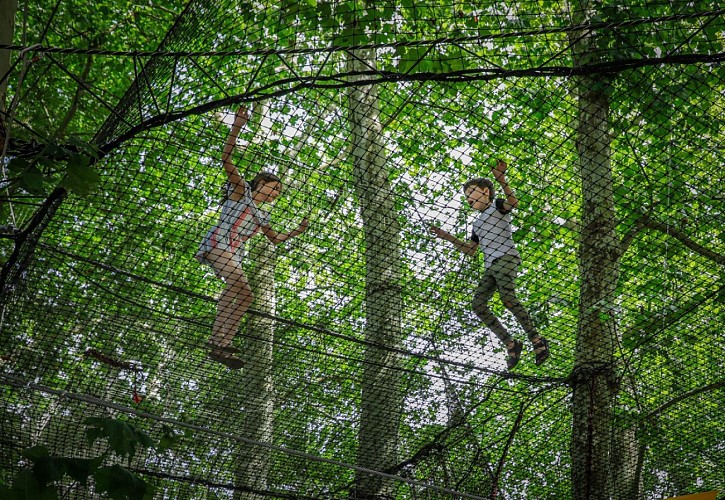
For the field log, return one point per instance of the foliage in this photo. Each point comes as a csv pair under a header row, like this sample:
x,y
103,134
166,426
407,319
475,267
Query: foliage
x,y
42,479
59,167
114,271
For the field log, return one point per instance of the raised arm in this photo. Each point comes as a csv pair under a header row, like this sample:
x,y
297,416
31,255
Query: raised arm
x,y
278,238
240,119
467,247
499,173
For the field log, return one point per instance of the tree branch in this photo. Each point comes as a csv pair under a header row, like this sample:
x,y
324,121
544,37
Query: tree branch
x,y
629,237
707,388
684,239
646,222
504,453
76,97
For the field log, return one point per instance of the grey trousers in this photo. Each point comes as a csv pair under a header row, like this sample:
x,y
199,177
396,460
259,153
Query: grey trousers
x,y
501,275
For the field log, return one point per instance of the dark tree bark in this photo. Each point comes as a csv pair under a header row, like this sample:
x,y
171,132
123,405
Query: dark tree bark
x,y
593,377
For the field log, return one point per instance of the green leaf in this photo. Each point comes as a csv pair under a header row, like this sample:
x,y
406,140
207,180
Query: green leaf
x,y
80,177
93,434
81,469
324,12
17,165
123,438
349,36
168,439
48,470
35,453
412,58
77,162
32,181
27,487
87,149
119,483
53,151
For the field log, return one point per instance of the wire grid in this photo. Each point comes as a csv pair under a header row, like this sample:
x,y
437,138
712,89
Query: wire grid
x,y
113,304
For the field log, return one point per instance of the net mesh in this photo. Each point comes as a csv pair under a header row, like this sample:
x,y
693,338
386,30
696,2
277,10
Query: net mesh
x,y
367,374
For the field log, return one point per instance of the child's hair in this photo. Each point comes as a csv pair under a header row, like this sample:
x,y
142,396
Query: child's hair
x,y
482,183
263,177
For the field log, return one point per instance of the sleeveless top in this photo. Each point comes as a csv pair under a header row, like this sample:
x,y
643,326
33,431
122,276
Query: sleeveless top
x,y
239,221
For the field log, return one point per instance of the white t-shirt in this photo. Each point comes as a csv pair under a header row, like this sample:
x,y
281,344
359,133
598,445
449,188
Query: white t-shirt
x,y
492,232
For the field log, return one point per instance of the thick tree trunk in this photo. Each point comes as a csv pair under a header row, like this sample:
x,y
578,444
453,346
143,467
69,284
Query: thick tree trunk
x,y
593,377
599,267
7,29
626,465
257,389
381,403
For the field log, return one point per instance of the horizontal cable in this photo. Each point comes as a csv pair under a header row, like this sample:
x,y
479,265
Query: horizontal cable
x,y
344,48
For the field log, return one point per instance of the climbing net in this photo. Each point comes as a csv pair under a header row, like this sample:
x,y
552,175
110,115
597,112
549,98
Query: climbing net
x,y
366,373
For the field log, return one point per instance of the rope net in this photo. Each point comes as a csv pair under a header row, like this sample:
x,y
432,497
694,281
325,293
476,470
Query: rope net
x,y
366,372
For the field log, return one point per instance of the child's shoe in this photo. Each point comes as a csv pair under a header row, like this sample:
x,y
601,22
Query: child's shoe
x,y
514,354
230,349
224,356
541,350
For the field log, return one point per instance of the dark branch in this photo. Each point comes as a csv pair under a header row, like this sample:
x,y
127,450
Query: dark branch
x,y
646,222
110,361
504,453
685,240
720,384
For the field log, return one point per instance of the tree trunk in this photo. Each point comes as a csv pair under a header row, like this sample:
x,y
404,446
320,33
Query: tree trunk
x,y
381,403
593,386
257,389
625,476
7,29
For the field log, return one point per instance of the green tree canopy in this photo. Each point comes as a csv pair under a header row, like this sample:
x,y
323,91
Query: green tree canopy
x,y
111,175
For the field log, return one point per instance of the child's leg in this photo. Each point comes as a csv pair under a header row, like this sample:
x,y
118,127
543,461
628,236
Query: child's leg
x,y
481,297
505,272
235,299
